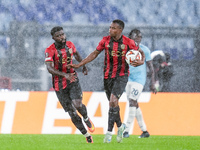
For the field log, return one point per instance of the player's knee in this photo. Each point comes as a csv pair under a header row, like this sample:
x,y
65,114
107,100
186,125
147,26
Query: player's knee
x,y
113,101
133,103
77,104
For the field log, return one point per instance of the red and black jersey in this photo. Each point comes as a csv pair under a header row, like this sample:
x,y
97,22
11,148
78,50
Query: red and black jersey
x,y
115,51
61,58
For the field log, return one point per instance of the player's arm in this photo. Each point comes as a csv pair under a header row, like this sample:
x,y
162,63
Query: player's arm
x,y
79,59
88,59
152,74
53,71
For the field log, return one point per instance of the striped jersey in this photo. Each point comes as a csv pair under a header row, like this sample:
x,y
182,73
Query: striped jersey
x,y
115,51
61,58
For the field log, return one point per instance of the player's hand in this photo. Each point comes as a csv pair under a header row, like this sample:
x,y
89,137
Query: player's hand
x,y
85,71
71,77
153,88
72,66
136,63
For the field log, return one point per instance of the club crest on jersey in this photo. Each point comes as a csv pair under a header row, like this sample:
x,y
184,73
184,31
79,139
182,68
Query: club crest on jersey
x,y
108,45
122,46
70,50
58,55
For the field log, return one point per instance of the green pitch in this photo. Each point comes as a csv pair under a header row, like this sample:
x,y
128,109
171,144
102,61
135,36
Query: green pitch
x,y
78,142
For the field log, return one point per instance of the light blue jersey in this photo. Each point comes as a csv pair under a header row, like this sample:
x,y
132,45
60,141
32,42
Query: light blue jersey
x,y
138,74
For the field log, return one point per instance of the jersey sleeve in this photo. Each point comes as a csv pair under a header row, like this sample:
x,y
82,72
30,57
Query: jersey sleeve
x,y
49,55
133,45
147,54
101,45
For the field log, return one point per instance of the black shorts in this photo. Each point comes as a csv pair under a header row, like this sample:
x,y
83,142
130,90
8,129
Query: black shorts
x,y
116,86
71,92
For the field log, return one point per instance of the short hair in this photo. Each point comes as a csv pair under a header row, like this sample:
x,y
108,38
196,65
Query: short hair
x,y
56,29
119,22
136,31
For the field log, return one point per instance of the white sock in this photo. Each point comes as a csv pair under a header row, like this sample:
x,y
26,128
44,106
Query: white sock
x,y
140,119
87,134
108,132
131,116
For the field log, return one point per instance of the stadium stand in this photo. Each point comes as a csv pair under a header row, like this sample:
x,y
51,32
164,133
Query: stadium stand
x,y
148,12
91,12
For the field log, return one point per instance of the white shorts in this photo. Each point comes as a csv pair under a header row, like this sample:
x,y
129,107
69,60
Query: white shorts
x,y
133,90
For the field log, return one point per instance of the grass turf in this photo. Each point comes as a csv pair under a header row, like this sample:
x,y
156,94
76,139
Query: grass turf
x,y
78,142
